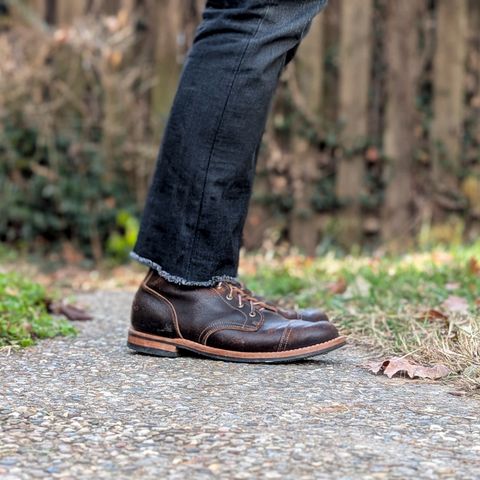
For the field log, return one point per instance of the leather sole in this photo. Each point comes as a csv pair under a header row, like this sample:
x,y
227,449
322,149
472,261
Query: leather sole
x,y
172,347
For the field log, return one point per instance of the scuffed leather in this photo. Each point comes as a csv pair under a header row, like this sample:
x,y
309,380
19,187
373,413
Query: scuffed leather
x,y
212,316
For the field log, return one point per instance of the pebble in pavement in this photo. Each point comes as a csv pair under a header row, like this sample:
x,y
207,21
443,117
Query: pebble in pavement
x,y
87,408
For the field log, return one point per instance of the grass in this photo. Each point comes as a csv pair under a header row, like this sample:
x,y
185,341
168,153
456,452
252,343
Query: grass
x,y
393,303
23,313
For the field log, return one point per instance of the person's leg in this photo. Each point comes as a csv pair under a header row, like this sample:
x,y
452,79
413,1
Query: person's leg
x,y
196,208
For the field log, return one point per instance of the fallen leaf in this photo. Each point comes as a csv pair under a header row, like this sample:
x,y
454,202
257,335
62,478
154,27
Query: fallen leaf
x,y
433,314
474,266
400,365
456,304
337,287
72,312
459,393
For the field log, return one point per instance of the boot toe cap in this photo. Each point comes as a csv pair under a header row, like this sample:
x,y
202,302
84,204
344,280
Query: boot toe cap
x,y
305,334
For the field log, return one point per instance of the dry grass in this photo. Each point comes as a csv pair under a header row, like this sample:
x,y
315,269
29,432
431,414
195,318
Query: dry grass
x,y
395,305
425,306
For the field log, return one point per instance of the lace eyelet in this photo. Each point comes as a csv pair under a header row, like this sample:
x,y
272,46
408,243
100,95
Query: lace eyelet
x,y
229,297
252,314
240,305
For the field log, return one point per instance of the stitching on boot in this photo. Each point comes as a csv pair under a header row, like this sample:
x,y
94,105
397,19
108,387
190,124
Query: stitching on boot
x,y
287,339
280,343
225,326
172,308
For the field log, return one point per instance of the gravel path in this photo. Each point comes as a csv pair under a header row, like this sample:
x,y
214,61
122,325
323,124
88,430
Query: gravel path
x,y
87,408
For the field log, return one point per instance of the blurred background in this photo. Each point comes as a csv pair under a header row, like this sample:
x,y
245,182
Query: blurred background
x,y
373,141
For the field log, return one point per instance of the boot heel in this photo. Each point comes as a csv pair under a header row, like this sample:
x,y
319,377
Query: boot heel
x,y
149,346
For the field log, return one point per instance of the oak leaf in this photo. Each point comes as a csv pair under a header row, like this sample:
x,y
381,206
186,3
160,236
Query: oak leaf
x,y
402,366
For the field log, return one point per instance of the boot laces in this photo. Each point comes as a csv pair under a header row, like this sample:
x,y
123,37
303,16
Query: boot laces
x,y
244,295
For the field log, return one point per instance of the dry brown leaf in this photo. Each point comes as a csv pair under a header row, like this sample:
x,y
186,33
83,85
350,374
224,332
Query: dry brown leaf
x,y
456,304
402,366
458,393
433,314
474,266
72,312
338,287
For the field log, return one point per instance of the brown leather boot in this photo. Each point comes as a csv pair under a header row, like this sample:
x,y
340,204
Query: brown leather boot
x,y
221,322
307,314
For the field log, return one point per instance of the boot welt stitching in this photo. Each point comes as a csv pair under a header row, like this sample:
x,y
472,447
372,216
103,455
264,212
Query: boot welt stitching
x,y
340,340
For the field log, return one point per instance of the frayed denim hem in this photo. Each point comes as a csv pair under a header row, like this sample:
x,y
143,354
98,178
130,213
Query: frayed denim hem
x,y
180,280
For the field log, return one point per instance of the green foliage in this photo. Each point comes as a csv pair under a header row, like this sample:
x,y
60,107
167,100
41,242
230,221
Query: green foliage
x,y
121,242
23,313
387,284
70,138
56,193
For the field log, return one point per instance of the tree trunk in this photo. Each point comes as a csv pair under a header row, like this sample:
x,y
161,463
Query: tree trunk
x,y
449,91
355,64
399,135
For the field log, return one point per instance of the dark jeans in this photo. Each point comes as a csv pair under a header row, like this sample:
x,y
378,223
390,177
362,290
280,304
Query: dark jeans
x,y
195,212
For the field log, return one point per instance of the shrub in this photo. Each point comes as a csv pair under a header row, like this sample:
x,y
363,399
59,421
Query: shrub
x,y
74,137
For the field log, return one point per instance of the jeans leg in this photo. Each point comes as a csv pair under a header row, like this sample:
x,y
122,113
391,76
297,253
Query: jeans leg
x,y
197,204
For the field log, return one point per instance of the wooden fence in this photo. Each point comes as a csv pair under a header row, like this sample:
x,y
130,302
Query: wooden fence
x,y
375,131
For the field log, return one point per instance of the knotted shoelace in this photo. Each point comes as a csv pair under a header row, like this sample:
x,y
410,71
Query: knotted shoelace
x,y
245,296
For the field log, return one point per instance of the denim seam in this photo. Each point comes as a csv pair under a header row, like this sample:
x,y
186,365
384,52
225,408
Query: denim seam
x,y
180,280
214,142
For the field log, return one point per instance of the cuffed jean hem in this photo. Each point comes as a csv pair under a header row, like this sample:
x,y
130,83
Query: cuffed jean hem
x,y
180,280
